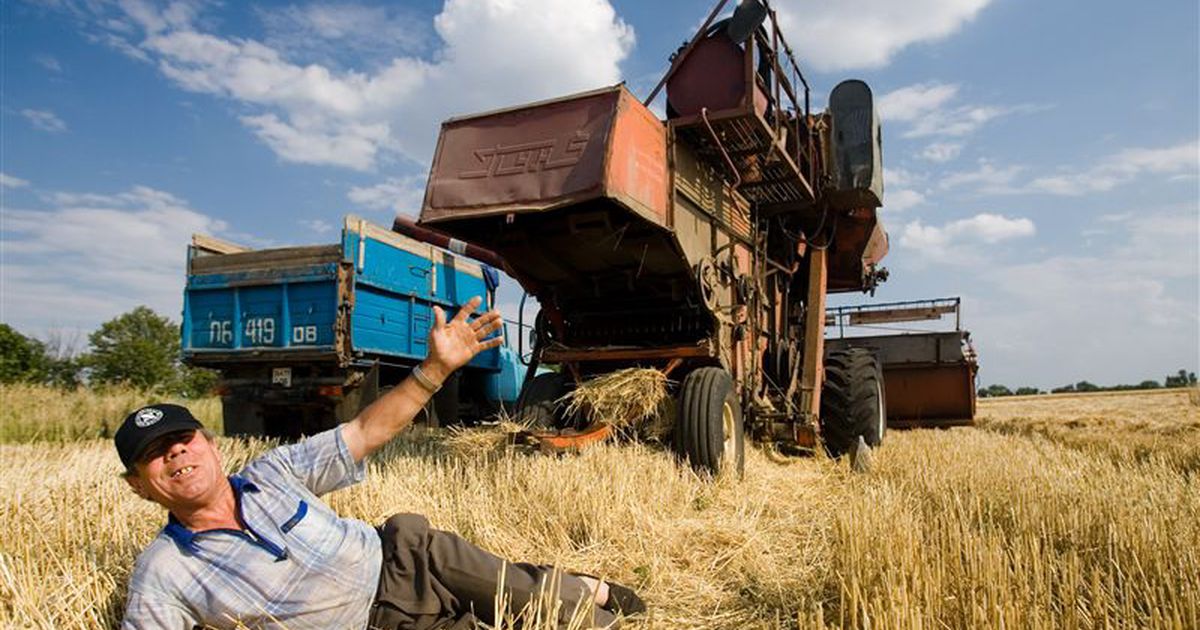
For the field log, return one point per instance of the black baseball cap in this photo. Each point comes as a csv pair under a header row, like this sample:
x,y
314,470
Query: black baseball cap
x,y
149,423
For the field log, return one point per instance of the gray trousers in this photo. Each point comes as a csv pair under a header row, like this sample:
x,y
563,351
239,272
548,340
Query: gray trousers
x,y
435,580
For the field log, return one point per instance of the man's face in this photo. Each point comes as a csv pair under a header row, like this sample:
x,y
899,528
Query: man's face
x,y
179,470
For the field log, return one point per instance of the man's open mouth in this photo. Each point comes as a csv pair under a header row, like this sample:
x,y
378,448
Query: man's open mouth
x,y
182,472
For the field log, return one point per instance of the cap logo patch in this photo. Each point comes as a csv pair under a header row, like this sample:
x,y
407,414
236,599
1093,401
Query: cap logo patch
x,y
146,417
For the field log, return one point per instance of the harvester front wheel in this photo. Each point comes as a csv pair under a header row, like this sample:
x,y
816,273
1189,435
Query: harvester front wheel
x,y
852,401
709,433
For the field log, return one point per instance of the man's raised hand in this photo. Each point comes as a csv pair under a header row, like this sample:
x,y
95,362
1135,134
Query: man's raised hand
x,y
453,344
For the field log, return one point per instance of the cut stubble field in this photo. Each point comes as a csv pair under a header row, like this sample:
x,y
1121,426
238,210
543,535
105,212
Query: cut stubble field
x,y
1054,512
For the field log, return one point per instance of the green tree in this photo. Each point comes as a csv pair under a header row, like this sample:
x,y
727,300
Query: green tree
x,y
1182,378
197,382
22,359
139,348
1028,391
995,390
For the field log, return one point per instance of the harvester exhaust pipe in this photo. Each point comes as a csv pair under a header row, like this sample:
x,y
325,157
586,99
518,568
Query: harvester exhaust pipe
x,y
409,228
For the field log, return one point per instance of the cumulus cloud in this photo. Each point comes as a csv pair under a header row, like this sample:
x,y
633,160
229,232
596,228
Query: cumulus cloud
x,y
44,120
9,181
88,257
1121,168
957,241
1173,163
941,151
985,178
1123,317
333,33
403,195
853,34
317,225
913,102
490,53
902,199
929,110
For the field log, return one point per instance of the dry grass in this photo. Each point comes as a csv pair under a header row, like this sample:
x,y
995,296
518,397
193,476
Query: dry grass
x,y
963,528
32,413
621,399
1160,425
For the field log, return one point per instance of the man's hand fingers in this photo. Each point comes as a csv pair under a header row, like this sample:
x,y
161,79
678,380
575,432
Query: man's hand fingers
x,y
467,309
439,318
491,343
489,328
483,320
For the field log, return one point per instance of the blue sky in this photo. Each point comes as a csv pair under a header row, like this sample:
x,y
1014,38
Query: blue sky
x,y
1041,158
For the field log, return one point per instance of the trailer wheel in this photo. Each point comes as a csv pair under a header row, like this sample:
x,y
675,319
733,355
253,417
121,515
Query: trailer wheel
x,y
852,401
537,403
709,433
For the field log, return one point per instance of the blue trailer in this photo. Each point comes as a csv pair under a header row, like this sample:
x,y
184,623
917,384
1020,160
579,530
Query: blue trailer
x,y
305,337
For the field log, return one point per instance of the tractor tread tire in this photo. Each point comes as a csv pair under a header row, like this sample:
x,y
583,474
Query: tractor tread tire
x,y
852,401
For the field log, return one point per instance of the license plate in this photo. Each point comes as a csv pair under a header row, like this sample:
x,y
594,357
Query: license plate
x,y
281,376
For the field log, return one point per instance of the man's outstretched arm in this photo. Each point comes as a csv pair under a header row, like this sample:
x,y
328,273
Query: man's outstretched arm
x,y
451,345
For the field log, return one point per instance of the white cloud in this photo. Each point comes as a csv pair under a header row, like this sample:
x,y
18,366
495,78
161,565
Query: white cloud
x,y
9,181
941,151
48,62
958,241
327,32
89,257
317,225
928,110
986,178
899,177
493,53
44,120
913,102
1121,168
901,199
1122,317
404,195
868,33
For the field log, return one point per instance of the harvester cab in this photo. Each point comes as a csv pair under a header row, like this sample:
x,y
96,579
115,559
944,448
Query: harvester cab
x,y
702,246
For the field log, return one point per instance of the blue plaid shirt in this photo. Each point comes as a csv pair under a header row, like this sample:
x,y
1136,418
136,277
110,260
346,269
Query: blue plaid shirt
x,y
296,565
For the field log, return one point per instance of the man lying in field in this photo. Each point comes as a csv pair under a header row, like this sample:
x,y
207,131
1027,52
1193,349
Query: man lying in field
x,y
259,548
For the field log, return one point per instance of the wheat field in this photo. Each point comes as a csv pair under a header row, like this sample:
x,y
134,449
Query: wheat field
x,y
1054,512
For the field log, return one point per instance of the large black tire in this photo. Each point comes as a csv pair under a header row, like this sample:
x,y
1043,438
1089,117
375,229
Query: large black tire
x,y
709,431
852,401
538,401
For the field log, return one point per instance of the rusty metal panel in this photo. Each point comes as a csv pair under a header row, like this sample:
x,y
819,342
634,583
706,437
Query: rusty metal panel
x,y
930,395
900,315
546,155
637,161
534,157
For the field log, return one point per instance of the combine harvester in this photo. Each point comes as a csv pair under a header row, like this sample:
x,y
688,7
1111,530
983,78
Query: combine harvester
x,y
929,375
702,246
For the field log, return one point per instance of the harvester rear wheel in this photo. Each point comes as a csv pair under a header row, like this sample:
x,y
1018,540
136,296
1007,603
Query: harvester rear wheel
x,y
536,407
852,401
709,433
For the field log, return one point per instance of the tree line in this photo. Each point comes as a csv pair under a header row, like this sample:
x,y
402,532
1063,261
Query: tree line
x,y
1182,378
136,349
